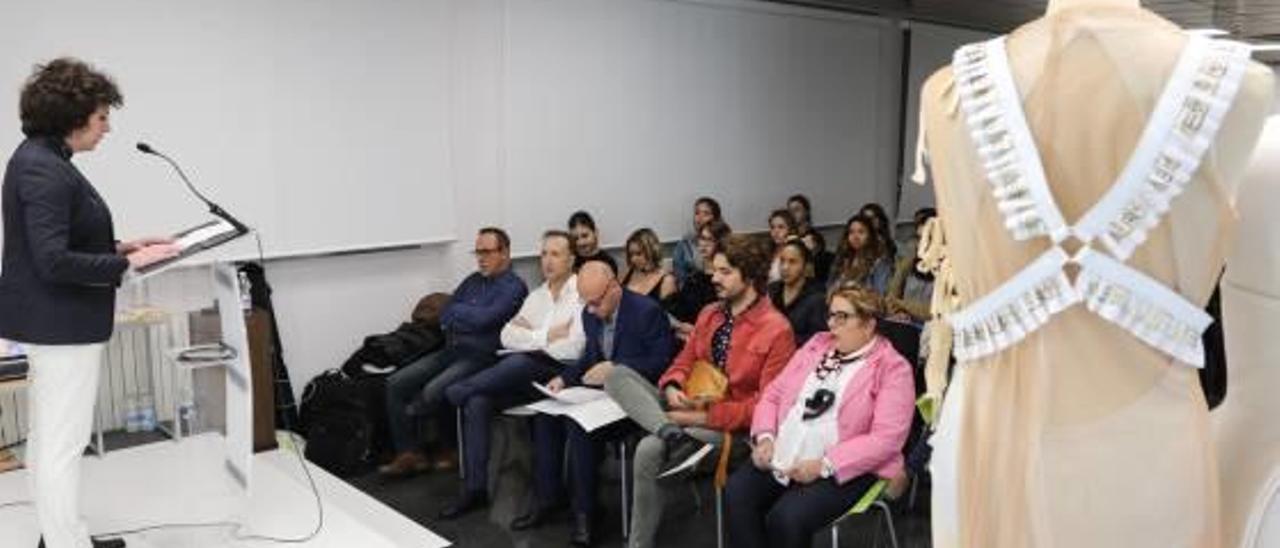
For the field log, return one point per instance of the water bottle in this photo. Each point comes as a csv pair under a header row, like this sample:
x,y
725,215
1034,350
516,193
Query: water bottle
x,y
147,413
246,293
187,419
132,413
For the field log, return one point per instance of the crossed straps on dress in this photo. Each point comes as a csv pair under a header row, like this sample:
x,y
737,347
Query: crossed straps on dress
x,y
1183,126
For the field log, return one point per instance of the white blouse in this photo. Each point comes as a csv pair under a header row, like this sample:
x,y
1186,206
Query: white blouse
x,y
544,312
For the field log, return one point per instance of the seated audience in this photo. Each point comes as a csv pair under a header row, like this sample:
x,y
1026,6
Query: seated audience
x,y
644,267
782,226
546,334
797,295
822,258
825,431
910,293
862,257
737,346
472,321
686,261
625,331
586,240
698,291
882,226
801,211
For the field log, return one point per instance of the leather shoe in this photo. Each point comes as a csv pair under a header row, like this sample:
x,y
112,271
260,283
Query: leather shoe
x,y
581,535
467,504
107,543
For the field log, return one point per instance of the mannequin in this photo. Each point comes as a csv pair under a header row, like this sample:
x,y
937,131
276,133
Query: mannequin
x,y
1244,426
1081,435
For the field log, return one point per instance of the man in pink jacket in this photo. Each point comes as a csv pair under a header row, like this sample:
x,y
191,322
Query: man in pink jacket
x,y
825,430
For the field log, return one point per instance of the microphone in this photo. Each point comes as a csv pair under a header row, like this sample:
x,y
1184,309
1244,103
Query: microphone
x,y
215,209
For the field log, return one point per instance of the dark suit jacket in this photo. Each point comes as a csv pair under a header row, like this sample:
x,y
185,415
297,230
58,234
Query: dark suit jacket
x,y
60,269
642,339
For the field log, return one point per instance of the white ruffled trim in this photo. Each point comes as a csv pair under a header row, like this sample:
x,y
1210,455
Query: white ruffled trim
x,y
992,110
1144,307
1184,125
1015,309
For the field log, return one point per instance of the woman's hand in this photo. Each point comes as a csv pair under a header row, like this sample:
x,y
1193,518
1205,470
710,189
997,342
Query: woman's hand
x,y
762,454
806,471
676,400
152,254
555,385
126,248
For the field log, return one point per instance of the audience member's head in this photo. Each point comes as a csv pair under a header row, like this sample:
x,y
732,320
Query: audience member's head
x,y
705,210
782,226
851,316
741,267
877,213
815,242
586,241
598,288
493,251
795,262
801,211
557,256
861,241
644,251
711,238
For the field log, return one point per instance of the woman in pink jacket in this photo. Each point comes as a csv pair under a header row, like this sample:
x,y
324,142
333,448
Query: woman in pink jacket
x,y
825,430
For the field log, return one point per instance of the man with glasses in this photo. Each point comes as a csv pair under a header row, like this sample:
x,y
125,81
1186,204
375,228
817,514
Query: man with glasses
x,y
744,339
472,322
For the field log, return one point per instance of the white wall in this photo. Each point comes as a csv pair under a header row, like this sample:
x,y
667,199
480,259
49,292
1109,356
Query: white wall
x,y
326,305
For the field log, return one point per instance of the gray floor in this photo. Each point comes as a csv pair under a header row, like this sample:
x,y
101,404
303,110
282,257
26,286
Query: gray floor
x,y
685,522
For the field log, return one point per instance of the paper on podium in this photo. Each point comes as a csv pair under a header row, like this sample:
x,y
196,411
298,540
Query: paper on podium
x,y
193,241
589,407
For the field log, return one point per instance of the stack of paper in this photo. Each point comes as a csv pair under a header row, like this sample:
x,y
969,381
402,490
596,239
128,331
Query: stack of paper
x,y
589,407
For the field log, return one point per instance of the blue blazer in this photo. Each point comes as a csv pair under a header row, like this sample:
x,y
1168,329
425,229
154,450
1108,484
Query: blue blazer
x,y
642,339
60,267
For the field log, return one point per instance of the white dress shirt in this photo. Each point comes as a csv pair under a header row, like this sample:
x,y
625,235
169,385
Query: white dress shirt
x,y
544,312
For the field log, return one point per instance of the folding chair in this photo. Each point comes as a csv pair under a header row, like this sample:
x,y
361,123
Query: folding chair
x,y
872,499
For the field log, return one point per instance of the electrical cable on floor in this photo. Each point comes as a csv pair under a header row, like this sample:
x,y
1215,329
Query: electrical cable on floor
x,y
238,535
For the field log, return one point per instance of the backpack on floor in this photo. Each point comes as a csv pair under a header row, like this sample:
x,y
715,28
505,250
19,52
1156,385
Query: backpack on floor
x,y
344,420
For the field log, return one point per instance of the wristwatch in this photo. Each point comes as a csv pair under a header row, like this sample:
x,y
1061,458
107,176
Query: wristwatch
x,y
828,471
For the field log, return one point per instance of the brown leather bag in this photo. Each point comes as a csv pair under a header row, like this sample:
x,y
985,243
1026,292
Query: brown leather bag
x,y
706,383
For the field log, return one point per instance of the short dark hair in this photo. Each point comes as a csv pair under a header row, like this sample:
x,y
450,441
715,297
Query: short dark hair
x,y
819,241
798,244
504,241
711,204
804,201
750,255
581,218
61,95
555,233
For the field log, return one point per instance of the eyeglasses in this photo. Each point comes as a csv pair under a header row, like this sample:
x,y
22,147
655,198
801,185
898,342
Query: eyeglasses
x,y
839,317
487,252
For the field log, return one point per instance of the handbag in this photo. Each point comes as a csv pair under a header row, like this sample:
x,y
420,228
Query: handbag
x,y
706,383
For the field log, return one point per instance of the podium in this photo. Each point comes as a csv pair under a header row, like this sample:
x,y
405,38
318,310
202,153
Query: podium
x,y
234,351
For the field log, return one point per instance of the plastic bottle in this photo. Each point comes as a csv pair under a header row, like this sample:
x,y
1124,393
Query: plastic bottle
x,y
147,413
187,418
132,415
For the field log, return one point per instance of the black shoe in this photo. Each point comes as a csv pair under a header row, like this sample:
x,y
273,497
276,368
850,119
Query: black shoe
x,y
536,517
467,504
108,543
581,535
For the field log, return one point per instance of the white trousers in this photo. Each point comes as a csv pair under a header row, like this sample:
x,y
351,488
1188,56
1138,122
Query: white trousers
x,y
64,388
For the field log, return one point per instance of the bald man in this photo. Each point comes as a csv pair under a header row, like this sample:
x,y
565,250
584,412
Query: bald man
x,y
623,329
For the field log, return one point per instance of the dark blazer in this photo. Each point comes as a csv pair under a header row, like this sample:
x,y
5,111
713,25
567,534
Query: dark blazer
x,y
642,339
60,269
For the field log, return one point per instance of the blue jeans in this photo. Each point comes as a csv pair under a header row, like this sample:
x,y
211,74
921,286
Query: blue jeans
x,y
418,390
507,384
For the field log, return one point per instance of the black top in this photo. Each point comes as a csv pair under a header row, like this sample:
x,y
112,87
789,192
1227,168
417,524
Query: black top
x,y
697,292
60,269
654,293
578,260
807,313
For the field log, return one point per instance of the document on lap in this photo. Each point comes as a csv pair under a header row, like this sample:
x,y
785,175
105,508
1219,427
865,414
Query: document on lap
x,y
589,407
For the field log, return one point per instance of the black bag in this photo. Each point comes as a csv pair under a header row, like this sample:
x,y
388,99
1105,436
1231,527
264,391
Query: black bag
x,y
387,353
345,421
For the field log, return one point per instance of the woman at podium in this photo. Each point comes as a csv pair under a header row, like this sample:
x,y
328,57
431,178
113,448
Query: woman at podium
x,y
58,276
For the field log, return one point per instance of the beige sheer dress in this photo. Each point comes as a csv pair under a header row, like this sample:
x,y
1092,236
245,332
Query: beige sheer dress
x,y
1079,435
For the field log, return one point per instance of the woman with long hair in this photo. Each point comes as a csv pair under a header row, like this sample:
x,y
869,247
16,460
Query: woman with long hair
x,y
863,256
